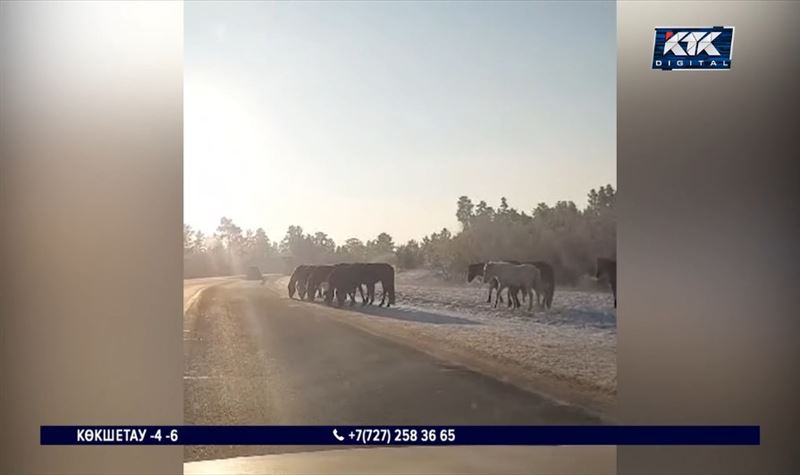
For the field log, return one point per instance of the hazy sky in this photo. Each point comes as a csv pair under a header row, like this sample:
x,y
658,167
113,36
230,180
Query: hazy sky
x,y
356,118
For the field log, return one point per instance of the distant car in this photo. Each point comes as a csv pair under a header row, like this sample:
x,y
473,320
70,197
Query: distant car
x,y
254,273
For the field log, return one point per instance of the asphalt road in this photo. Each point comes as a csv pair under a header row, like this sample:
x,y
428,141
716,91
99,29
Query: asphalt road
x,y
256,357
192,288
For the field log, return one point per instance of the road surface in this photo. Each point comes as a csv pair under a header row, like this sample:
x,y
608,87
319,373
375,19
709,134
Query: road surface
x,y
254,356
193,287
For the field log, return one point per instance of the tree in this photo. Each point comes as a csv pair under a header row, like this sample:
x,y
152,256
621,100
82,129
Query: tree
x,y
409,255
187,239
464,211
503,205
562,234
199,242
262,246
292,240
230,235
382,246
355,250
322,241
484,211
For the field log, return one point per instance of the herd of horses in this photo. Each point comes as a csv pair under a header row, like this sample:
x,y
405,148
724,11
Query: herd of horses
x,y
341,281
529,278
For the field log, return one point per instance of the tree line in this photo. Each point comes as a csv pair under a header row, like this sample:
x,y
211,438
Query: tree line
x,y
562,234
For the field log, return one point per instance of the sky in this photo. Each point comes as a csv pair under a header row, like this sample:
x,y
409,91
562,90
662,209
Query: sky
x,y
363,117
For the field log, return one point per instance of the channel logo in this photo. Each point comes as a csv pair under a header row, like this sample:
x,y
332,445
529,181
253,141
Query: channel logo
x,y
696,49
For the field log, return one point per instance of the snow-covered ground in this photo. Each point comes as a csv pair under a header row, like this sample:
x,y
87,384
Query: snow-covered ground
x,y
573,343
575,340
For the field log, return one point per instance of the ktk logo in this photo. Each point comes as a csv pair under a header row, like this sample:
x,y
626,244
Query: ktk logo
x,y
706,48
696,43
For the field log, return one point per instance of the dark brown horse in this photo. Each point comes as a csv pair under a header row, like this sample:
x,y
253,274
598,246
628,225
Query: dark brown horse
x,y
299,276
608,268
370,274
317,277
342,283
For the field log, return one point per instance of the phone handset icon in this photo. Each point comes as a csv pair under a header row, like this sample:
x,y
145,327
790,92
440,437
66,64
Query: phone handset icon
x,y
338,437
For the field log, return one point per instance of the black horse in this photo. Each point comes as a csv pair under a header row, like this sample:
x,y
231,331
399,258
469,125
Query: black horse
x,y
608,268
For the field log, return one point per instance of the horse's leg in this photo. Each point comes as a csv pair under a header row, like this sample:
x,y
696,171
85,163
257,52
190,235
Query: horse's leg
x,y
361,291
497,295
530,298
383,294
548,299
371,293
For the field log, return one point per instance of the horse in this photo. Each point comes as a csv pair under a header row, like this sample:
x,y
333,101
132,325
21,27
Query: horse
x,y
475,270
608,267
548,281
342,283
525,277
299,276
545,297
317,277
370,274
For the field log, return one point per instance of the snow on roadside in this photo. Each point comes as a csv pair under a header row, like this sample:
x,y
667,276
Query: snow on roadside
x,y
574,342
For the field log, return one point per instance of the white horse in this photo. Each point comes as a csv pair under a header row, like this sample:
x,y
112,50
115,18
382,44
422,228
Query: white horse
x,y
525,277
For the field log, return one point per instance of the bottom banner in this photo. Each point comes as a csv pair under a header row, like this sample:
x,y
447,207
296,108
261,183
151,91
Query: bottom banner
x,y
400,435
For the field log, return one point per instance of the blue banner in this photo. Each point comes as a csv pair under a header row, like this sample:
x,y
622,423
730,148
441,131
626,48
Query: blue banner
x,y
400,435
